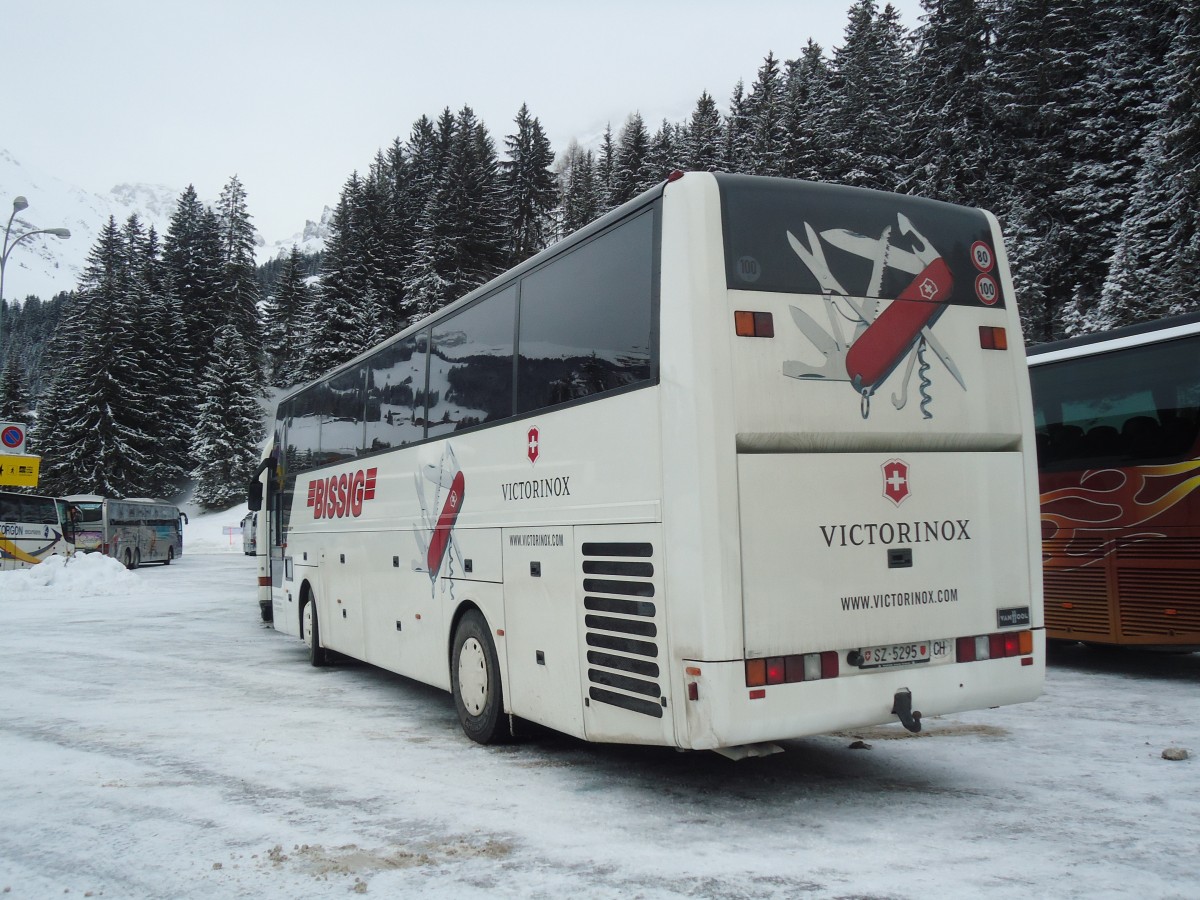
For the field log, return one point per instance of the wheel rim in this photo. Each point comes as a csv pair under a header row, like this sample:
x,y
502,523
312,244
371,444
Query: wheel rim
x,y
308,622
472,676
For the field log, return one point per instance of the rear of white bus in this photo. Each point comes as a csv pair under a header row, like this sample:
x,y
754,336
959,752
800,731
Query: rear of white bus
x,y
868,480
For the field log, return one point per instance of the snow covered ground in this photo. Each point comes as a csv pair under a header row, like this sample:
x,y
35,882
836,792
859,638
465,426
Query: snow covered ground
x,y
158,741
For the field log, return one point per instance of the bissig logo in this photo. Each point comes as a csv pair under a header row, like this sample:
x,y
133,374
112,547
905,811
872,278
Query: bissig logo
x,y
339,496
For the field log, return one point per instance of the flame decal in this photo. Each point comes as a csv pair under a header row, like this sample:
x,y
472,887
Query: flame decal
x,y
1117,499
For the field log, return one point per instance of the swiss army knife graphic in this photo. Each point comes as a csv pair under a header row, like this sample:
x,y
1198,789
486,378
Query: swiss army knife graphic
x,y
882,339
440,491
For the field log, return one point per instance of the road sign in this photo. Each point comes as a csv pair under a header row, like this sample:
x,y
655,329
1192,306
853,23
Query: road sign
x,y
19,471
12,437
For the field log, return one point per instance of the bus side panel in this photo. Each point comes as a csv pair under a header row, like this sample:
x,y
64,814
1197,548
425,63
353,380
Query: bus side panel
x,y
541,626
625,662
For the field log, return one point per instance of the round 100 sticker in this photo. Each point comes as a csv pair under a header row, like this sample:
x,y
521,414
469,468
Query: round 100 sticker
x,y
986,289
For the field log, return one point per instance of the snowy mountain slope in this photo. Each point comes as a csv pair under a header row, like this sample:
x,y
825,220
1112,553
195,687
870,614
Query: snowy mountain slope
x,y
44,266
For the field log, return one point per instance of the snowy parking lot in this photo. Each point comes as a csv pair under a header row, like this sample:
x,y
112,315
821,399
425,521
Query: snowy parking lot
x,y
158,740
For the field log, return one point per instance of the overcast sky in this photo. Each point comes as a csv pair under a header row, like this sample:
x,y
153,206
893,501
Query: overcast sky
x,y
294,95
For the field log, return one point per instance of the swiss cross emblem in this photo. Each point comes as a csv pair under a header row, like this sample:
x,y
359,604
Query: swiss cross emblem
x,y
929,289
895,480
532,446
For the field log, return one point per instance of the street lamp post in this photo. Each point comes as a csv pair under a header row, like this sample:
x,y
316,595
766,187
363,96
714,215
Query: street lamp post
x,y
19,204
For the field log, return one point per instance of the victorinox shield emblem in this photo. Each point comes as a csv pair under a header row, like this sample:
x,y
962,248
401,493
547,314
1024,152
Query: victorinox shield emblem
x,y
532,445
895,480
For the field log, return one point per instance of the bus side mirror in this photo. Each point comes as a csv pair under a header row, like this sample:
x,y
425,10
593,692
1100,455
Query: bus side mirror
x,y
254,495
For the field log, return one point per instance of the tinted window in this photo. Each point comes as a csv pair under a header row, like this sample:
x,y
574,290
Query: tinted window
x,y
395,393
342,408
855,229
1141,404
470,365
586,319
303,431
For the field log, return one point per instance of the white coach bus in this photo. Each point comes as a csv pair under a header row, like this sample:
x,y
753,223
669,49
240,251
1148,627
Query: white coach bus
x,y
746,459
133,531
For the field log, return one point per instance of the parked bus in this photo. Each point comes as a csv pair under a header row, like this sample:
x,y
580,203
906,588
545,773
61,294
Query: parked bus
x,y
133,531
32,529
744,460
1118,431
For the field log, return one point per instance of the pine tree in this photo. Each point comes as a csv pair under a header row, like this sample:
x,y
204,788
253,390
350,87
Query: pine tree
x,y
89,433
238,297
871,105
704,141
283,310
950,135
15,404
1156,262
229,424
1043,53
193,270
578,192
737,132
764,121
808,112
631,173
606,163
529,189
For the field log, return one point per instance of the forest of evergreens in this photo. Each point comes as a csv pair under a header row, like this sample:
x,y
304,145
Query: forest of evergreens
x,y
1075,122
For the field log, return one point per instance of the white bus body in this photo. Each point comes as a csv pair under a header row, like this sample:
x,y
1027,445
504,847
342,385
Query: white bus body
x,y
133,531
32,529
766,471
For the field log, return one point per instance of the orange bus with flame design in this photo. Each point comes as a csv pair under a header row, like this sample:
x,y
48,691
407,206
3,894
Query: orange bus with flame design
x,y
1117,418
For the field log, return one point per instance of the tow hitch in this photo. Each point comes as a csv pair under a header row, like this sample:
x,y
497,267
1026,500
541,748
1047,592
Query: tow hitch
x,y
902,709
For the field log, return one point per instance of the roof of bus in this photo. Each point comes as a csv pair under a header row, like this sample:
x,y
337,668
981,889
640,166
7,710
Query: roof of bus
x,y
1116,339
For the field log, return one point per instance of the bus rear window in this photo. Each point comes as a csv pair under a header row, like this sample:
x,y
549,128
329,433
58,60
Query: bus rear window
x,y
859,243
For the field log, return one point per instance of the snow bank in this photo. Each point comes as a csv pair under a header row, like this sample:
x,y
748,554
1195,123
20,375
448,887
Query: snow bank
x,y
87,574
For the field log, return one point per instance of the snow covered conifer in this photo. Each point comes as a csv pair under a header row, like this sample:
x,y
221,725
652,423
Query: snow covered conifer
x,y
229,425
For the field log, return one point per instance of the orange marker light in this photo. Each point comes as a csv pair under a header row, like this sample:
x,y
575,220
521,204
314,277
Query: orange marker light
x,y
753,324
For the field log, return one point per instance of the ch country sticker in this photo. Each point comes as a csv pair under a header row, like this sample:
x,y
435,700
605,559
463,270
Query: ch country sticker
x,y
885,338
342,495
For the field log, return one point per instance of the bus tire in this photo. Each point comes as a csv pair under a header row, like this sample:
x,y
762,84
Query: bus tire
x,y
311,629
137,559
475,680
128,560
170,556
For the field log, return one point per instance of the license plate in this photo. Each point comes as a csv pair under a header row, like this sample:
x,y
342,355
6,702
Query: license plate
x,y
895,655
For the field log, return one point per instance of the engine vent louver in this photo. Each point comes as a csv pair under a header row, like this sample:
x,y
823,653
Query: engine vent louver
x,y
622,627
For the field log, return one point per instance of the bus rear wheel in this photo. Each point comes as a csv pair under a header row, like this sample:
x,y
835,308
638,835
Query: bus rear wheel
x,y
475,680
128,561
317,655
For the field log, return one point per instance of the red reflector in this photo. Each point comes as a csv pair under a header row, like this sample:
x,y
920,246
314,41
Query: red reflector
x,y
264,580
754,324
965,649
1027,661
693,691
775,670
995,646
829,664
757,695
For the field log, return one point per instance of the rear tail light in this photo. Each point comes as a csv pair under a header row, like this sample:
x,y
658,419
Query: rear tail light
x,y
994,646
993,338
753,324
792,669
